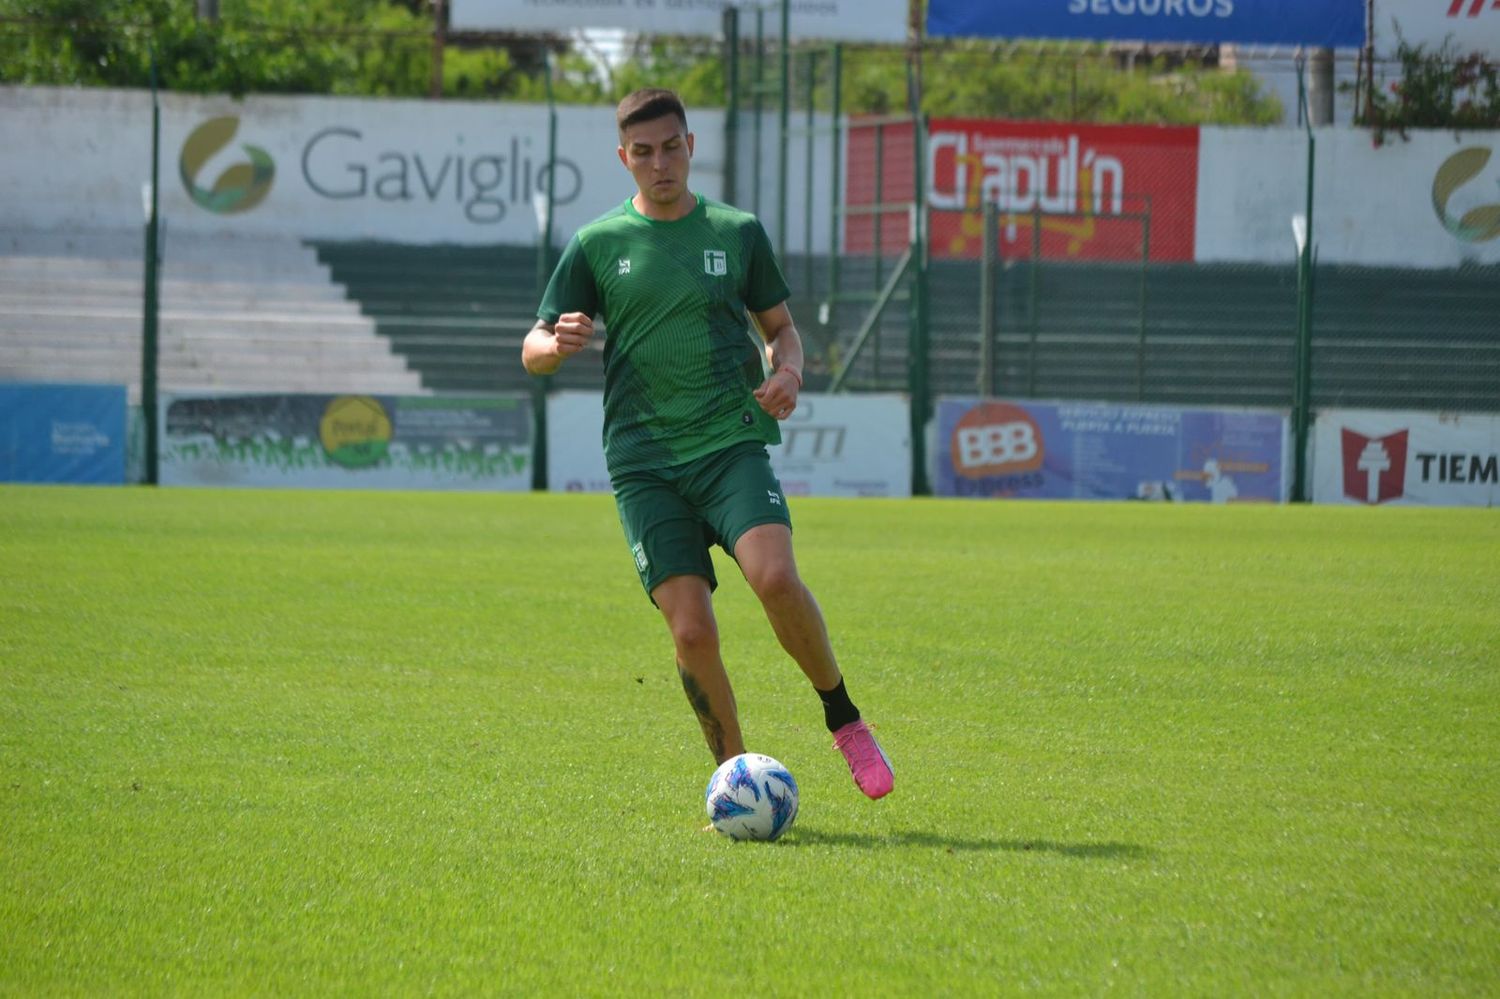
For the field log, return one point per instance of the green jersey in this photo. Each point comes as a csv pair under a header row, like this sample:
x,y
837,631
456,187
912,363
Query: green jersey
x,y
679,361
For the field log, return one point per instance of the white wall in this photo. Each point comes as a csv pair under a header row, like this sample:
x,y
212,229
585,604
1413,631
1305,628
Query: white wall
x,y
1372,205
353,168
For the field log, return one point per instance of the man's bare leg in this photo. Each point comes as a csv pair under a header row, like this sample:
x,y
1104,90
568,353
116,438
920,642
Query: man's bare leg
x,y
687,604
765,556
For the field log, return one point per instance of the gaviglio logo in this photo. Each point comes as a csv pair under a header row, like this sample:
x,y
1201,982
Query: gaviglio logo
x,y
1479,224
239,188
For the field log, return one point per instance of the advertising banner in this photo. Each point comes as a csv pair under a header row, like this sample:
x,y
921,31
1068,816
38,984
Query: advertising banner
x,y
265,168
1369,457
1468,25
834,20
1095,190
347,442
575,443
62,433
845,445
833,445
1062,450
1326,23
1429,200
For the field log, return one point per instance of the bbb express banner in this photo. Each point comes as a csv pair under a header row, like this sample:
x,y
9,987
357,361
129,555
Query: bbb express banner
x,y
1066,450
347,441
1064,191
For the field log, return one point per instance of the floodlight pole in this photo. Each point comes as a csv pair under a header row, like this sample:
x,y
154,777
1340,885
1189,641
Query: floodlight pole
x,y
540,384
151,298
1302,384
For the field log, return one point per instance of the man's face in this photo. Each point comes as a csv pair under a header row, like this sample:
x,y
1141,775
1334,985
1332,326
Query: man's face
x,y
656,153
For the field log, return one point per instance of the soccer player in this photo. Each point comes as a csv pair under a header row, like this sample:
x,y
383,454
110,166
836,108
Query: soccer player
x,y
688,414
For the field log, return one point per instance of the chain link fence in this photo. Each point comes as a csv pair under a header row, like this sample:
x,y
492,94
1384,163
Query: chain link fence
x,y
1003,257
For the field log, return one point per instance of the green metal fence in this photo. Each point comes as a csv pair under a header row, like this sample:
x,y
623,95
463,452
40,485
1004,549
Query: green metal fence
x,y
884,304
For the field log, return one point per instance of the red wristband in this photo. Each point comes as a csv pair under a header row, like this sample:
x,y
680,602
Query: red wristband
x,y
796,375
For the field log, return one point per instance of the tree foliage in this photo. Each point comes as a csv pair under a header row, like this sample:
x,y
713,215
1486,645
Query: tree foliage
x,y
1435,88
385,48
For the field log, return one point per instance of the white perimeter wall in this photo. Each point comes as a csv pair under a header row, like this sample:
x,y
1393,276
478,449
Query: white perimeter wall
x,y
397,170
1372,205
465,172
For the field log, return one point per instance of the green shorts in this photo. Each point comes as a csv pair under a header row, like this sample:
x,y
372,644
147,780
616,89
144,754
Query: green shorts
x,y
674,516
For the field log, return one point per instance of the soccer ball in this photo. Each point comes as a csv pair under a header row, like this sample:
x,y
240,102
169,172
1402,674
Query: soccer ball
x,y
751,796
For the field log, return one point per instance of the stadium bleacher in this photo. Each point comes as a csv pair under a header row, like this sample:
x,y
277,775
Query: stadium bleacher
x,y
253,315
457,314
369,317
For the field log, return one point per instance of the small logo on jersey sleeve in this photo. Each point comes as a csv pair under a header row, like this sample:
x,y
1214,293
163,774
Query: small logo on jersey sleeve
x,y
642,563
624,266
715,262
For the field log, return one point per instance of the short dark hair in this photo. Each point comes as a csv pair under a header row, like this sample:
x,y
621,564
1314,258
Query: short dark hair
x,y
649,104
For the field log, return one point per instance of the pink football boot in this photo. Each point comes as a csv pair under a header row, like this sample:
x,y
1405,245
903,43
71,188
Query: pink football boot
x,y
867,761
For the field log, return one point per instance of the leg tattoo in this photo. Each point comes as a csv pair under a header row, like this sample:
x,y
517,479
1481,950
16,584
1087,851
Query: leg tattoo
x,y
713,729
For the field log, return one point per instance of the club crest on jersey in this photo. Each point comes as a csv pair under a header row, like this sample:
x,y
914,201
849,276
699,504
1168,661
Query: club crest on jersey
x,y
624,266
715,262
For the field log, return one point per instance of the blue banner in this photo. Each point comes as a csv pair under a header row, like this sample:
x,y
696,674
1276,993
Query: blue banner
x,y
62,433
1028,450
1323,23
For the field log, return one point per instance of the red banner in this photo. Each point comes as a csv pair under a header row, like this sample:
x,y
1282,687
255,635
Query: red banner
x,y
1099,192
1065,191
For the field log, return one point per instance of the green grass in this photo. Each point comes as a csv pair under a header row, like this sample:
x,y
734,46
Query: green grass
x,y
343,743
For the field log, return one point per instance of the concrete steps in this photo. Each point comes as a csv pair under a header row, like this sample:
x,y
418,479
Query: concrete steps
x,y
243,315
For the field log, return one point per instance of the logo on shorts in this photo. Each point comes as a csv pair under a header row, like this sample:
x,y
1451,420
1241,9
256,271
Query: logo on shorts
x,y
715,262
624,266
641,562
775,498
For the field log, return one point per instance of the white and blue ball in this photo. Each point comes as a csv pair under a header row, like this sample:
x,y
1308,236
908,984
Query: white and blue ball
x,y
751,796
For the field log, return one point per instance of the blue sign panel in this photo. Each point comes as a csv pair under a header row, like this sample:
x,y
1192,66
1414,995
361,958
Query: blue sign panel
x,y
62,433
1099,451
1323,23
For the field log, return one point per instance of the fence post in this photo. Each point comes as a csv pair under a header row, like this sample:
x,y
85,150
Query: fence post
x,y
1035,276
808,175
987,298
758,107
1140,356
921,373
782,163
836,219
1302,378
542,383
731,102
151,304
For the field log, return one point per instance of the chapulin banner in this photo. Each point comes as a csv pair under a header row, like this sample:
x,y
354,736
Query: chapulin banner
x,y
1063,450
1090,192
347,441
1324,23
62,433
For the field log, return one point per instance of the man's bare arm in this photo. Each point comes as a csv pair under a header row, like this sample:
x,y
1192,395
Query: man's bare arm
x,y
778,393
549,344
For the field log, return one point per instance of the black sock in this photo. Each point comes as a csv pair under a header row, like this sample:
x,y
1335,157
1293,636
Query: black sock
x,y
838,710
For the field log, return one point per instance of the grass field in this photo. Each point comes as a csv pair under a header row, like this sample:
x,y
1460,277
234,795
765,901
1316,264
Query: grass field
x,y
352,743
